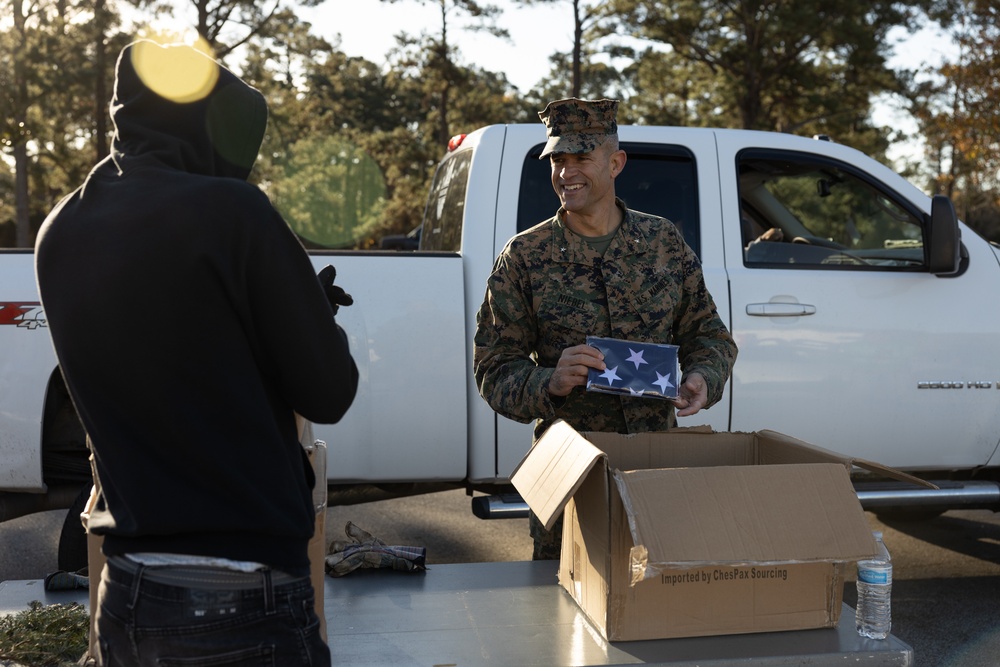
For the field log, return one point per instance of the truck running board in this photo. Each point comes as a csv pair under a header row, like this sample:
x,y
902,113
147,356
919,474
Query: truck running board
x,y
501,506
874,496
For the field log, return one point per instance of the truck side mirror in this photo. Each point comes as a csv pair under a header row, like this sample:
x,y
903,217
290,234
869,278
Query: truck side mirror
x,y
943,237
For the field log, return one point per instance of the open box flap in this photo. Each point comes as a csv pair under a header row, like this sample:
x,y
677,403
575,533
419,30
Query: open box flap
x,y
549,475
741,515
775,440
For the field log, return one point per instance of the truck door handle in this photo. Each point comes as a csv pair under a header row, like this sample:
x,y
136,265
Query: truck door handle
x,y
780,309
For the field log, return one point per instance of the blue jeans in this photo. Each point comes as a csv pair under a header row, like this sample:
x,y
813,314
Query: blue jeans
x,y
173,617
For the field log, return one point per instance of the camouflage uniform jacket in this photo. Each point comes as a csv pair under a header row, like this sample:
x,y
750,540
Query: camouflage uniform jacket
x,y
549,289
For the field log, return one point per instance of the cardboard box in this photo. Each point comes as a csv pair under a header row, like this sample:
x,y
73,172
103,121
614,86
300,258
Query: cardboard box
x,y
693,533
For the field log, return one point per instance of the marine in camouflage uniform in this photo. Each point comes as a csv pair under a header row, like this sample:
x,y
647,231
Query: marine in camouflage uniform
x,y
550,288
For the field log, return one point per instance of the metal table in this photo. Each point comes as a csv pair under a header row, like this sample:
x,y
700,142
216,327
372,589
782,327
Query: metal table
x,y
515,613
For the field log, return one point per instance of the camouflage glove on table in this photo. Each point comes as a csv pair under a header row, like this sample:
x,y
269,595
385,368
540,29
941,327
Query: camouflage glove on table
x,y
368,552
66,581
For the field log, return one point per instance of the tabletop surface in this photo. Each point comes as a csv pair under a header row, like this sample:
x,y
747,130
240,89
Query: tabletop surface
x,y
515,613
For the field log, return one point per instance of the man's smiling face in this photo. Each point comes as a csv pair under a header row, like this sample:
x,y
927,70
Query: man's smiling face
x,y
583,181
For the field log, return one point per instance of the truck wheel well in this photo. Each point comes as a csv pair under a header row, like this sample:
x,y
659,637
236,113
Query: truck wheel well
x,y
65,456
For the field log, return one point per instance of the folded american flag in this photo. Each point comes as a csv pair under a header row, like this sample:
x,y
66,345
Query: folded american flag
x,y
634,369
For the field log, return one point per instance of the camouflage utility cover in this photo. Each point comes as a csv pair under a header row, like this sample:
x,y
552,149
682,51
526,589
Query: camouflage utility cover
x,y
549,290
578,126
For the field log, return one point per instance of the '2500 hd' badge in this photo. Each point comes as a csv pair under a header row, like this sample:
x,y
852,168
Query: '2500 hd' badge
x,y
26,314
982,384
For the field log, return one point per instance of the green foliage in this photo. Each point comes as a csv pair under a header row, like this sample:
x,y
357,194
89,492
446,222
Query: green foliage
x,y
956,107
330,192
805,67
7,220
45,636
408,161
56,82
672,89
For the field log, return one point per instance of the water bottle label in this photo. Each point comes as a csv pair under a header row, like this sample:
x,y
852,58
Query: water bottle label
x,y
874,576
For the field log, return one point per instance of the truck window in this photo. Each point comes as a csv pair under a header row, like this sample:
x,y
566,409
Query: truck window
x,y
442,225
804,211
657,179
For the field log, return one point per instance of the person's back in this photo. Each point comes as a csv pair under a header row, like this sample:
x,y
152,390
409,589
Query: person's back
x,y
190,327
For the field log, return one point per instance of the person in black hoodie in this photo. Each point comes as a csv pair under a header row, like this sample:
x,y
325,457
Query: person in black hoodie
x,y
190,328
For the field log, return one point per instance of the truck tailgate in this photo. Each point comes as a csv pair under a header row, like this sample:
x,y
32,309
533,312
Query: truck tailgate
x,y
406,331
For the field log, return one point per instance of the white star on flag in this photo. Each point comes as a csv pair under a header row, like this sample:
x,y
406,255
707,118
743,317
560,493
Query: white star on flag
x,y
636,358
611,375
663,381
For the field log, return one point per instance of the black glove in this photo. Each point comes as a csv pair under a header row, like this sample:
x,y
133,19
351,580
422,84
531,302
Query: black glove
x,y
335,294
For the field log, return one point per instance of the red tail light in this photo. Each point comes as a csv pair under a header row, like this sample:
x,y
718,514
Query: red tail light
x,y
455,142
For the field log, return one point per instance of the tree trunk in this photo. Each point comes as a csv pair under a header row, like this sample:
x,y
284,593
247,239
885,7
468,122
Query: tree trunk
x,y
100,85
577,83
23,236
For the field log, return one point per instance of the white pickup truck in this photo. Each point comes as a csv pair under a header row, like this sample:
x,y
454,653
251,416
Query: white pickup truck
x,y
867,329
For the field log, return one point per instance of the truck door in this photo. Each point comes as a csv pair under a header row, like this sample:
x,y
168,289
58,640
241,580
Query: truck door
x,y
846,339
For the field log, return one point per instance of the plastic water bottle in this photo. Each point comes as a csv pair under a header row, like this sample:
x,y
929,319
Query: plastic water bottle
x,y
874,612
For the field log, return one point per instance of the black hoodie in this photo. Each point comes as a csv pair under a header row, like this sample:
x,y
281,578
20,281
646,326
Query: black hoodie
x,y
189,325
